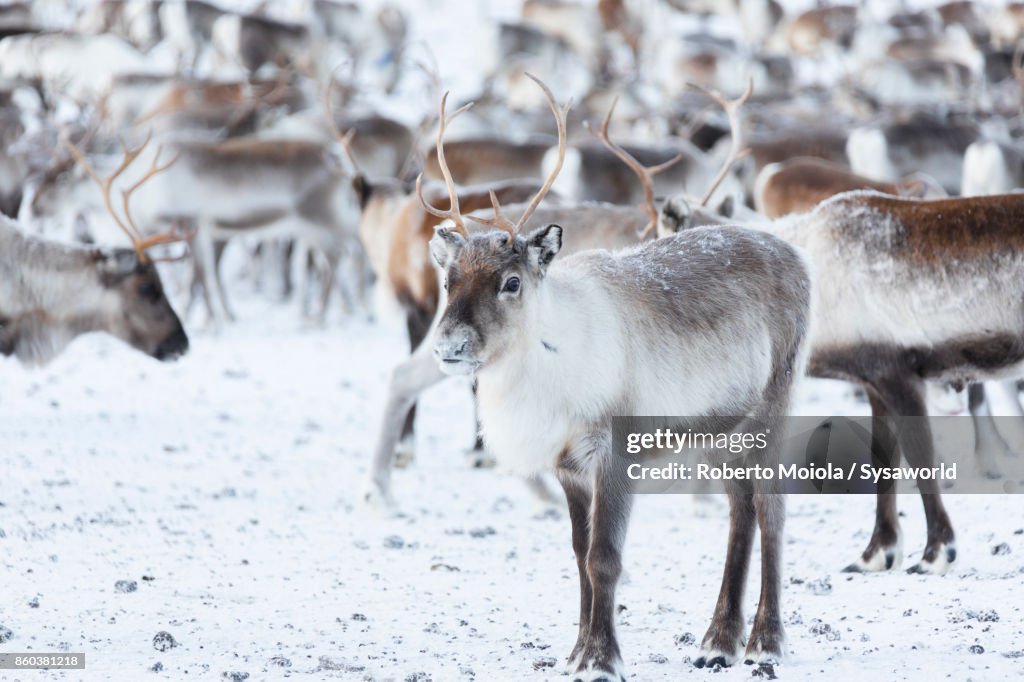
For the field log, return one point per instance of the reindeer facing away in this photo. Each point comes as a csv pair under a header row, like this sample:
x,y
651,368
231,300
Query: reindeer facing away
x,y
559,347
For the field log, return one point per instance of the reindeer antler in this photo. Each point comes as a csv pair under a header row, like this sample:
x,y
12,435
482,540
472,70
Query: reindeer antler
x,y
644,173
344,138
736,149
499,220
106,185
452,213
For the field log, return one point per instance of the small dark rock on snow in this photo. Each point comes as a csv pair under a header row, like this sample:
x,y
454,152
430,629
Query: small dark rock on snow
x,y
820,628
126,586
5,634
685,639
163,641
543,662
394,542
764,671
1001,549
156,667
660,659
235,676
281,662
977,649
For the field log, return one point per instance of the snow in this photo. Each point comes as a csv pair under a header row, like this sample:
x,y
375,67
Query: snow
x,y
228,486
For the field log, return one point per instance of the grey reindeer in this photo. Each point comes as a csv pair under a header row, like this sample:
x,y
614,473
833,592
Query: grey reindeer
x,y
559,347
51,293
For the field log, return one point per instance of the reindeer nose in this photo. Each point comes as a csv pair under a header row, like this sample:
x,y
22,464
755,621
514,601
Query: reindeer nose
x,y
451,351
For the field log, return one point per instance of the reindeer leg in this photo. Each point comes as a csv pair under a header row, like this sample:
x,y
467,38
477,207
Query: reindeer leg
x,y
988,442
408,380
202,247
722,642
417,324
578,495
885,549
478,457
222,296
766,635
905,397
610,508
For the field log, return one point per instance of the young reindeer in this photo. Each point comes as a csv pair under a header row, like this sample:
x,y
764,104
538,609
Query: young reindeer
x,y
560,347
50,293
397,252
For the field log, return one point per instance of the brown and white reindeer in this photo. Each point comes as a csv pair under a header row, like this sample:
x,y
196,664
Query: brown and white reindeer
x,y
918,291
559,347
800,184
400,250
51,293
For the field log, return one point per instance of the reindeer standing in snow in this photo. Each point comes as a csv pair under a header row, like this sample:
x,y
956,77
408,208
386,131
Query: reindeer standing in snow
x,y
559,347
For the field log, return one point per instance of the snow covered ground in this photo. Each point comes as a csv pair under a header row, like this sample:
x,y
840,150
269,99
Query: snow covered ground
x,y
227,489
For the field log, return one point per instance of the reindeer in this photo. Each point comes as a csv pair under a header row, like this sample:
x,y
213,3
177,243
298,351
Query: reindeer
x,y
50,293
652,329
919,291
245,187
800,184
591,224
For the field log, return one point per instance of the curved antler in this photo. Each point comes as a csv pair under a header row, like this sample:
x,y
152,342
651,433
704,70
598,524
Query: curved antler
x,y
452,213
106,185
736,149
344,138
499,220
645,173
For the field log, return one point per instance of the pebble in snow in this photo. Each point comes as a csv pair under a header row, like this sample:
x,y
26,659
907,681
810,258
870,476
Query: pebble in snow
x,y
685,639
281,662
394,542
235,676
1001,549
5,634
126,586
157,667
162,641
977,649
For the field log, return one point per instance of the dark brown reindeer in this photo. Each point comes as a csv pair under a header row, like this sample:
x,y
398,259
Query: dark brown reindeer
x,y
50,293
559,347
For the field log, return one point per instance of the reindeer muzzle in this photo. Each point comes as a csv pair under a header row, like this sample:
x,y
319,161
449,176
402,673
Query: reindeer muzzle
x,y
173,347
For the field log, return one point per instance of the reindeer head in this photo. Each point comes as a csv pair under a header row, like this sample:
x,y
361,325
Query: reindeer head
x,y
137,311
490,282
490,278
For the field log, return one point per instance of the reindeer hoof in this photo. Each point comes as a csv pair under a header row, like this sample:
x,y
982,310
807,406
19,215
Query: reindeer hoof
x,y
714,661
405,453
878,560
479,458
944,557
593,671
380,499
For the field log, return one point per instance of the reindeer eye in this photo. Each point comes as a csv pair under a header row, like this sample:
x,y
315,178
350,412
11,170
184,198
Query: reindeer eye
x,y
511,285
149,292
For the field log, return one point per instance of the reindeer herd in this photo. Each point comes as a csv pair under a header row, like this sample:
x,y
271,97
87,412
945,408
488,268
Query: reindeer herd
x,y
864,227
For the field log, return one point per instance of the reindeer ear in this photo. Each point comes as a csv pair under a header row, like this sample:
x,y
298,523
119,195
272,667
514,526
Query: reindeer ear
x,y
116,264
675,216
445,245
542,245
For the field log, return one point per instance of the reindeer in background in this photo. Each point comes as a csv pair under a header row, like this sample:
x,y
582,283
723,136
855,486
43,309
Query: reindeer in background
x,y
50,293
